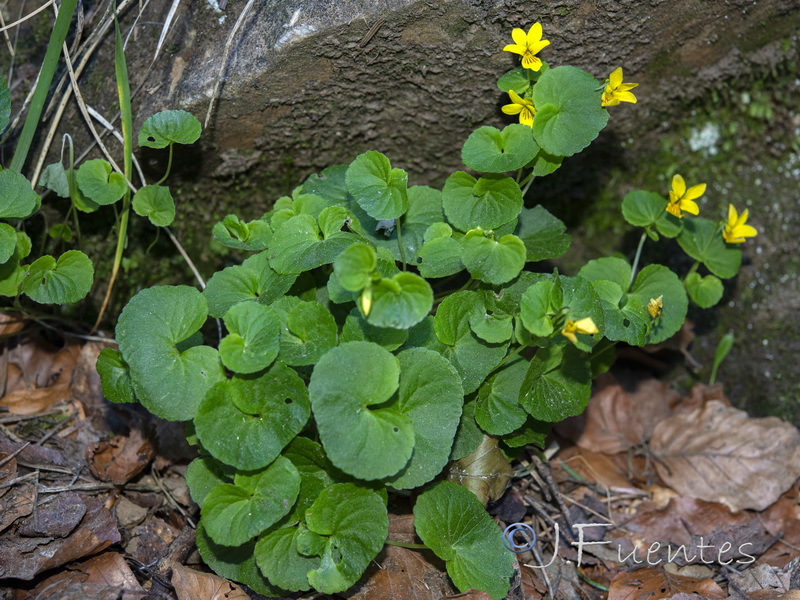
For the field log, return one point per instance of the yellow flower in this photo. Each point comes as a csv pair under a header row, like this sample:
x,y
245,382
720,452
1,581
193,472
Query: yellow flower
x,y
586,326
735,230
528,46
681,199
366,300
656,306
616,91
522,107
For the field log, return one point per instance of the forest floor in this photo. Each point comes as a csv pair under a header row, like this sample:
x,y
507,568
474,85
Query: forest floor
x,y
648,495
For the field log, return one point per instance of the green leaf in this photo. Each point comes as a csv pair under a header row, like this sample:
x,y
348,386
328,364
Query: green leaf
x,y
54,178
204,474
115,376
169,127
490,260
542,233
11,273
17,198
170,383
654,281
253,280
616,270
430,395
231,232
354,267
642,208
155,202
60,231
330,184
557,384
702,240
81,202
308,330
246,422
569,114
354,524
488,202
468,436
544,164
378,188
539,304
253,340
5,104
400,302
368,443
439,256
498,411
278,557
493,151
234,514
507,297
492,328
99,183
8,241
356,328
532,432
316,473
582,301
519,80
705,291
62,281
453,523
298,246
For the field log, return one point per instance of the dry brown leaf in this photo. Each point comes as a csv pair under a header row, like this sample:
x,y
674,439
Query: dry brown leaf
x,y
194,585
719,454
657,584
609,472
85,380
11,322
30,402
485,472
762,579
121,458
8,470
18,503
42,363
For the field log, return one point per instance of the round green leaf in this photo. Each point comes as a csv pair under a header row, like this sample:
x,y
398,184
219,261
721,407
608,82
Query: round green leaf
x,y
378,188
168,381
492,328
353,524
557,384
204,474
400,302
642,208
364,442
278,557
253,340
17,198
519,80
8,241
439,256
354,267
493,151
356,328
99,183
115,376
61,231
453,523
543,234
539,303
62,281
298,245
232,232
569,113
498,411
169,127
488,202
308,330
254,280
431,396
532,432
54,178
316,473
654,281
155,202
234,514
246,422
490,260
11,273
468,436
702,240
705,291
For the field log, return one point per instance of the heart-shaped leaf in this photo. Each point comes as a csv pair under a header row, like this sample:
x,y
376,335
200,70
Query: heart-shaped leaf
x,y
379,190
54,178
356,328
232,232
99,183
155,202
520,80
8,241
62,281
498,411
702,240
532,432
569,113
115,376
493,328
492,260
364,442
400,302
204,474
705,291
17,198
539,304
453,523
253,340
440,254
246,422
557,384
488,202
278,557
169,127
543,234
168,381
493,151
656,281
298,245
354,267
308,330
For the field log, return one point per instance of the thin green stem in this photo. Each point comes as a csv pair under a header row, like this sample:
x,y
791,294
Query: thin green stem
x,y
57,37
519,175
405,545
636,259
526,183
169,166
400,241
692,270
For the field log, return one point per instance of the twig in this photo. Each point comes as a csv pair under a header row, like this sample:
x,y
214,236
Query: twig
x,y
17,418
55,429
172,500
11,435
587,509
165,29
13,454
97,487
185,256
17,480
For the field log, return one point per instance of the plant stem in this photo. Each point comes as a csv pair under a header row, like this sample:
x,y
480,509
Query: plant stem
x,y
527,183
57,37
636,259
169,166
400,242
692,270
405,545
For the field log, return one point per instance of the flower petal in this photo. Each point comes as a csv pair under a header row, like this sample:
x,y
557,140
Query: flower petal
x,y
511,109
695,192
732,215
536,47
586,326
674,208
615,79
534,34
625,97
515,97
627,86
746,231
529,61
526,117
570,336
516,49
678,186
690,206
519,37
743,217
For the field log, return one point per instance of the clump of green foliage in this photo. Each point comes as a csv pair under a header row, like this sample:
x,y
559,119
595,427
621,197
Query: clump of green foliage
x,y
378,331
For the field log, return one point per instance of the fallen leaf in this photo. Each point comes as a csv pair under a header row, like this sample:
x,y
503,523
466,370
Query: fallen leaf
x,y
18,503
609,472
29,402
11,322
485,472
718,453
762,578
85,384
57,516
121,458
194,585
656,584
150,541
8,470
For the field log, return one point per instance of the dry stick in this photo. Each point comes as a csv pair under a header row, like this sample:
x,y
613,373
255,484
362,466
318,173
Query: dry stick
x,y
223,64
171,499
9,44
165,30
11,435
28,16
13,454
135,23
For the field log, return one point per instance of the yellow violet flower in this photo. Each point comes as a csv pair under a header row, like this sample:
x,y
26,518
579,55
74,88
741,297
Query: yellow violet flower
x,y
616,91
528,46
366,300
656,307
681,199
522,107
586,326
735,229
